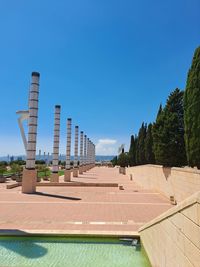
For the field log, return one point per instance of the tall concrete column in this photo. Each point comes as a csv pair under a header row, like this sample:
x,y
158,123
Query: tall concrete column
x,y
68,152
85,153
55,176
81,154
94,155
88,154
75,170
29,174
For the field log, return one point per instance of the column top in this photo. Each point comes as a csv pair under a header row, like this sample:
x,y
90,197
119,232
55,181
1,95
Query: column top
x,y
35,73
76,126
69,119
57,106
81,132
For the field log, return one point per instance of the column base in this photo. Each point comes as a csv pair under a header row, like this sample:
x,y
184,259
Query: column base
x,y
29,179
85,168
54,178
81,170
75,172
67,177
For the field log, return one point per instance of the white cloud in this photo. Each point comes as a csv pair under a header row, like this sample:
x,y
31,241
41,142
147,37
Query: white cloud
x,y
107,141
106,147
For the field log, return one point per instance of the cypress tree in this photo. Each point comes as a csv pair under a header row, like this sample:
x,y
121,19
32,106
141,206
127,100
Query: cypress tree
x,y
114,161
168,132
192,112
141,144
132,152
159,111
149,154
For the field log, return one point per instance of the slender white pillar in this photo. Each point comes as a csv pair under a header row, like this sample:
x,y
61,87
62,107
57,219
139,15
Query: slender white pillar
x,y
68,152
75,171
56,139
32,121
55,160
81,154
29,174
85,153
88,154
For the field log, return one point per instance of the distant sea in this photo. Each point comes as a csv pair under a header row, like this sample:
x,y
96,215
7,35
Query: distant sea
x,y
62,157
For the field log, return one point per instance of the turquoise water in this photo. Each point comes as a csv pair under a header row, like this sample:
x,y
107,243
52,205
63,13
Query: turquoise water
x,y
70,252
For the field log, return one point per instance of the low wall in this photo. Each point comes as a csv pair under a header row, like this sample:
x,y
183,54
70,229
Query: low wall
x,y
80,184
173,238
178,182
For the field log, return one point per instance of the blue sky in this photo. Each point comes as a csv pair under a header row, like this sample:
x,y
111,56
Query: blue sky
x,y
108,63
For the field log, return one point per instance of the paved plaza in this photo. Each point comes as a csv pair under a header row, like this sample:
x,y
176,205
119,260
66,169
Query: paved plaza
x,y
82,210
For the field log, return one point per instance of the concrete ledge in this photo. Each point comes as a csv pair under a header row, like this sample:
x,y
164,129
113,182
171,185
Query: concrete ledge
x,y
182,205
10,186
89,233
68,184
186,169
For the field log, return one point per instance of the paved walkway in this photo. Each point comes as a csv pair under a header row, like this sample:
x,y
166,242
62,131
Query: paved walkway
x,y
101,210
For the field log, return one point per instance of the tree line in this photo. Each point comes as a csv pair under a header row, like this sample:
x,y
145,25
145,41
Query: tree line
x,y
173,139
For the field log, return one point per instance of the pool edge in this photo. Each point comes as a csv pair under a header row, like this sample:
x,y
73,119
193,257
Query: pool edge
x,y
25,232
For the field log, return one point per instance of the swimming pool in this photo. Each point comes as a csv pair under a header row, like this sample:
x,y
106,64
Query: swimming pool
x,y
70,252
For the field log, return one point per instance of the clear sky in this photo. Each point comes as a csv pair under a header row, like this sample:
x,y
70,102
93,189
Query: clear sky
x,y
108,63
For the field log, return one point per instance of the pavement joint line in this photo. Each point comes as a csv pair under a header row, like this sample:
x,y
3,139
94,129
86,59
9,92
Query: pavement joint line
x,y
133,193
92,203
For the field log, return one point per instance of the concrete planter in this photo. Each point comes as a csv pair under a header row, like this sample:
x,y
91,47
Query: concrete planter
x,y
122,170
2,179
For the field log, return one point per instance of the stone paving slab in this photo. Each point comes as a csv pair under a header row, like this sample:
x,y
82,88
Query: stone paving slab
x,y
82,209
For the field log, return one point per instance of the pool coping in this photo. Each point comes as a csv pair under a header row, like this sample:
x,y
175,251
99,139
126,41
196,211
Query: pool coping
x,y
89,233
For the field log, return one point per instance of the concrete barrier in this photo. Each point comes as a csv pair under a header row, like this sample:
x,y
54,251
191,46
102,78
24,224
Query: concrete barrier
x,y
67,184
173,238
179,183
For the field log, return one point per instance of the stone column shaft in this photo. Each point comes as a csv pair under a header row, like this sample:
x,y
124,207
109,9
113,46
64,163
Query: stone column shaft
x,y
68,149
29,173
32,121
85,153
81,163
56,139
81,149
76,148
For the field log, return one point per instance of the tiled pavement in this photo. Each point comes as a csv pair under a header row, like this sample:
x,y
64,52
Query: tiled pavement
x,y
82,209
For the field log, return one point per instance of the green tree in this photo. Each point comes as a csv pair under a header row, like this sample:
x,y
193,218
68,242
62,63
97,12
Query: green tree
x,y
114,161
43,171
192,112
132,152
168,132
123,160
149,153
2,170
17,170
140,154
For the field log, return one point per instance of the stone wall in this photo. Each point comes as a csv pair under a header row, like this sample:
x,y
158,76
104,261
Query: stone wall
x,y
173,238
178,182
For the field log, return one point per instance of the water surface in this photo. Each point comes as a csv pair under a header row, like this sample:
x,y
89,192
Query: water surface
x,y
70,252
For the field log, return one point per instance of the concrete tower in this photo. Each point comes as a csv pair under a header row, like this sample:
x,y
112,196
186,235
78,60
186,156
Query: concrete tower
x,y
85,153
88,154
81,153
55,176
68,151
75,170
29,174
